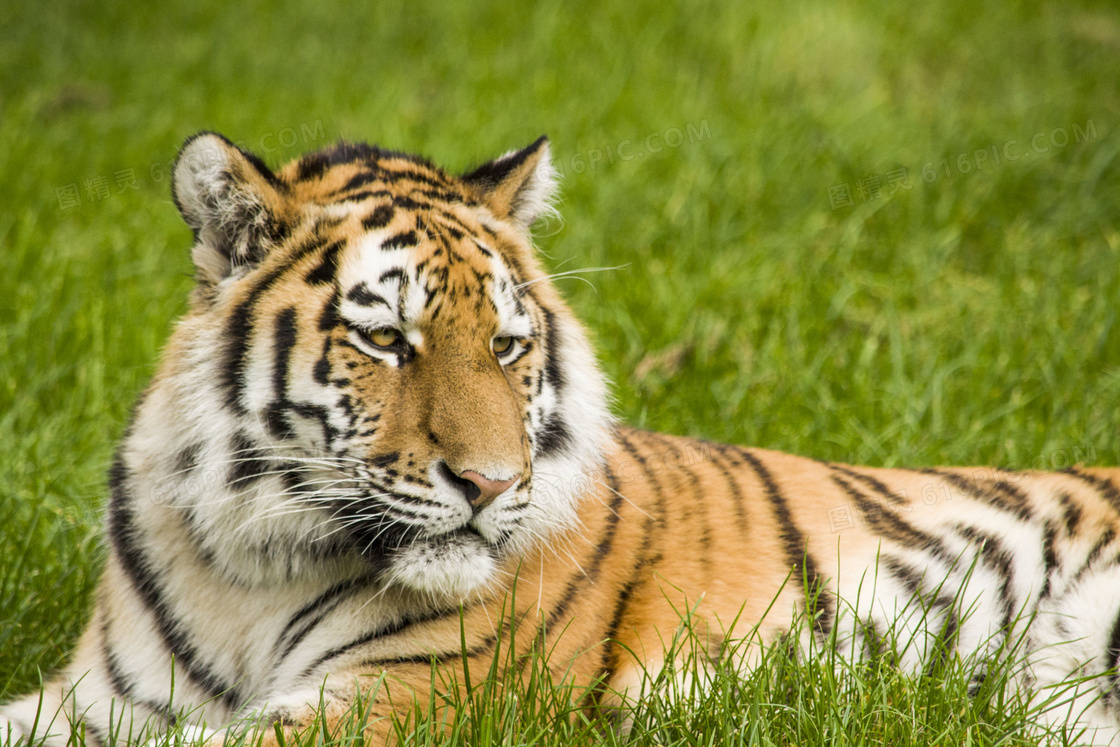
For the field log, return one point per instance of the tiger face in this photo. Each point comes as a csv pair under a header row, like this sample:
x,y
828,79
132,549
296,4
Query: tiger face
x,y
399,384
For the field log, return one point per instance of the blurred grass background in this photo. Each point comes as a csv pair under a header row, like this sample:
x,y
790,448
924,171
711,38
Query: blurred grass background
x,y
968,318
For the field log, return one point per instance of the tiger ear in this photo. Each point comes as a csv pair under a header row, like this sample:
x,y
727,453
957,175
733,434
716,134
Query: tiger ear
x,y
231,201
519,186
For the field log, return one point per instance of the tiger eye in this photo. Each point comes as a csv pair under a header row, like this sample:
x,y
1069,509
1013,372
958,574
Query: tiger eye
x,y
384,338
502,345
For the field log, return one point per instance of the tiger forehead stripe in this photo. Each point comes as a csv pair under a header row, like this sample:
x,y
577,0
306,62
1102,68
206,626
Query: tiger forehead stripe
x,y
386,274
373,278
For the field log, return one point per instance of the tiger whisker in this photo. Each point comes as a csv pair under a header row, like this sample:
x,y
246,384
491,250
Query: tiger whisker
x,y
569,273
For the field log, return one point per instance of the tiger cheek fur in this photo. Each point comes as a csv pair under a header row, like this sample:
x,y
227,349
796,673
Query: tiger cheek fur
x,y
379,430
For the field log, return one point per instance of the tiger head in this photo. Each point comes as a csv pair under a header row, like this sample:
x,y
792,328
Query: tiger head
x,y
374,366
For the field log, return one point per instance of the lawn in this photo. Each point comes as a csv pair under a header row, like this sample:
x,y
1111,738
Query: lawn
x,y
882,233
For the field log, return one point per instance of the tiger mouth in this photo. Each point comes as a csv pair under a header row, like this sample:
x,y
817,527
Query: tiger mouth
x,y
469,532
465,532
378,541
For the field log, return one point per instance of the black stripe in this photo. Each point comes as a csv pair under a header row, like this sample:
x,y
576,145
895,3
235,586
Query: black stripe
x,y
554,434
312,166
1112,653
871,482
285,341
260,167
360,179
442,657
393,176
379,218
553,372
638,574
139,569
452,231
404,240
285,337
278,425
364,195
344,649
324,272
343,152
1049,556
654,482
1011,501
1018,497
450,219
904,574
370,156
442,195
250,462
697,502
911,579
187,459
999,560
322,371
892,526
121,682
385,460
406,202
603,548
1071,513
705,518
384,631
733,485
239,330
1104,540
396,273
606,544
328,318
363,296
1103,486
312,614
796,546
623,598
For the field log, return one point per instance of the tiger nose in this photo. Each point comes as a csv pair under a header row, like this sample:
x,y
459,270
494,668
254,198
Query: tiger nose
x,y
488,489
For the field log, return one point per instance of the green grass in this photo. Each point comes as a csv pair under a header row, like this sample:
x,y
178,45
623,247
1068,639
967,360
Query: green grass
x,y
968,319
814,693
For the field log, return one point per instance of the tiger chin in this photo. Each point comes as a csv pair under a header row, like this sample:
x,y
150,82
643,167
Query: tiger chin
x,y
379,432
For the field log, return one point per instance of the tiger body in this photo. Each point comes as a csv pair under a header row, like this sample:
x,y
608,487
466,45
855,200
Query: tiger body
x,y
379,427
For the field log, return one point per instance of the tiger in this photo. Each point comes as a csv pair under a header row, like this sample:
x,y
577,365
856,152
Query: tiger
x,y
379,432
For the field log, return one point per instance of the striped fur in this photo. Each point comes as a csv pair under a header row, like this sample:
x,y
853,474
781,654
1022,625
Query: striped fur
x,y
291,505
